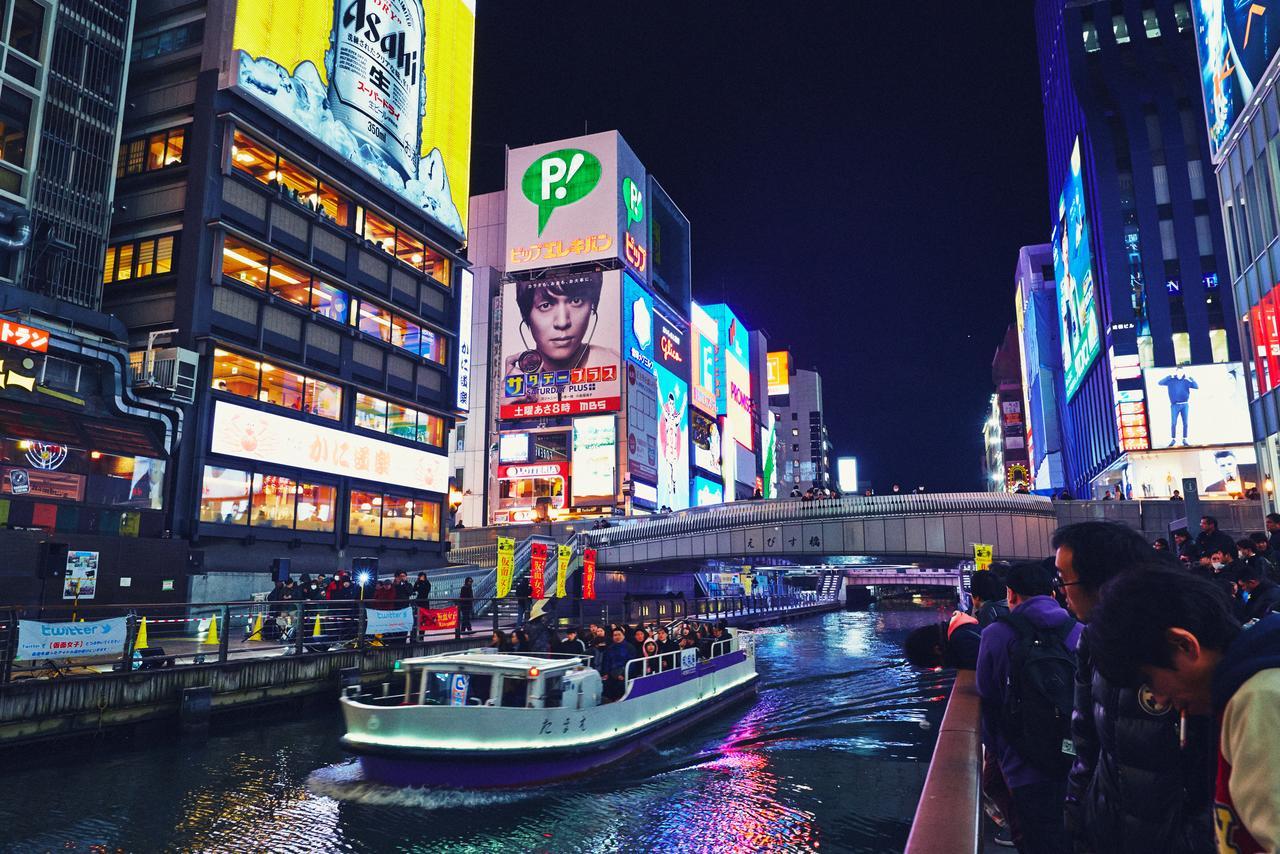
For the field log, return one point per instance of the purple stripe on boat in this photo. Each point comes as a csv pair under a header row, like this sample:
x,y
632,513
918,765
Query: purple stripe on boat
x,y
666,679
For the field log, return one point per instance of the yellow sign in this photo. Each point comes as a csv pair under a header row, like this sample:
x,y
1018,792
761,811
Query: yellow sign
x,y
982,555
779,365
563,553
506,564
385,83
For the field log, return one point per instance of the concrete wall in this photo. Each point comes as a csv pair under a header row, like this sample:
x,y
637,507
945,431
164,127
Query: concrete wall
x,y
1153,518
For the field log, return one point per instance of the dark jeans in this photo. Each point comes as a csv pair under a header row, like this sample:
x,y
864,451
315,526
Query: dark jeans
x,y
1038,807
1176,411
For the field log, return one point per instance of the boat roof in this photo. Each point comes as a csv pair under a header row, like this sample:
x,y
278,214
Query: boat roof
x,y
480,659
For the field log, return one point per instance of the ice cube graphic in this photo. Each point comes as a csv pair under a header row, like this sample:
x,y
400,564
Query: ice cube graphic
x,y
301,98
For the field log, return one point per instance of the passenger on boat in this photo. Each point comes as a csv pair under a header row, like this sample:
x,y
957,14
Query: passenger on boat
x,y
614,666
500,642
520,640
652,665
665,642
638,637
572,644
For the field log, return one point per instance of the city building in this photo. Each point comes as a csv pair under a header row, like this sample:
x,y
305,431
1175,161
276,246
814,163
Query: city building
x,y
1242,116
1036,318
83,458
1005,432
289,221
803,447
1149,345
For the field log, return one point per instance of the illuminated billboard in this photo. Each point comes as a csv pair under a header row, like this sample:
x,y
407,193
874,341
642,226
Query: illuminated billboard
x,y
594,460
637,323
779,373
847,474
705,433
704,356
642,424
559,346
673,440
739,423
669,266
706,492
387,87
1197,405
1235,45
1073,270
575,200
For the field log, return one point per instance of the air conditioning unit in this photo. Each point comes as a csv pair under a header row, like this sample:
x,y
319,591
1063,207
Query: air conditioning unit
x,y
167,370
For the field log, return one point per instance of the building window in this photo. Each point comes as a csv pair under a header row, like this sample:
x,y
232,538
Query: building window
x,y
1195,173
157,151
333,303
264,165
27,30
168,41
402,422
244,263
397,517
1204,235
375,321
1151,23
1091,37
1181,15
371,413
365,514
315,507
383,416
1168,241
224,496
1160,174
1218,345
268,383
274,498
1121,29
401,244
138,259
323,399
426,520
1181,348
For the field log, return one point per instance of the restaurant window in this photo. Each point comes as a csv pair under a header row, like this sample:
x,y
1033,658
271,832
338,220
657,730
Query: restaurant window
x,y
315,506
426,520
401,421
330,302
397,517
401,335
250,156
371,413
224,496
292,177
378,231
290,281
323,399
375,321
244,263
365,517
273,501
281,387
334,205
138,259
409,249
153,152
433,347
430,429
235,374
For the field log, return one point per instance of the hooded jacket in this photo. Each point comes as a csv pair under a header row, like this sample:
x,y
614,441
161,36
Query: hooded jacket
x,y
1131,789
1246,701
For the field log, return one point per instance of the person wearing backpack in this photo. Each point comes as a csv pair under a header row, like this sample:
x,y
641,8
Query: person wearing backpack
x,y
1026,664
1137,784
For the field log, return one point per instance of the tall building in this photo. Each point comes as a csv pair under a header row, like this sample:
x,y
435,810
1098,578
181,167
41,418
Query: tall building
x,y
802,446
1036,318
1138,249
1008,463
83,457
289,220
1238,75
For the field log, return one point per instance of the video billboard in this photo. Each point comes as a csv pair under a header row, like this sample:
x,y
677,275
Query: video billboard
x,y
1197,405
706,492
594,460
642,424
637,323
705,432
559,340
575,200
386,87
738,400
673,440
1235,45
779,373
1073,269
704,359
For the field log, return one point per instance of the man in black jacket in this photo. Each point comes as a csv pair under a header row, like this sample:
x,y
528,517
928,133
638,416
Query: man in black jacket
x,y
1211,539
1132,788
1264,594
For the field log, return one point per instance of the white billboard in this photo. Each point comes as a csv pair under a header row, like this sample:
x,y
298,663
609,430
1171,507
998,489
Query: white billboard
x,y
1197,406
594,459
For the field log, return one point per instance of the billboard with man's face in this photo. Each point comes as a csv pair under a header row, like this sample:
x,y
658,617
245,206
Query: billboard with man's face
x,y
1197,405
1073,268
385,85
560,341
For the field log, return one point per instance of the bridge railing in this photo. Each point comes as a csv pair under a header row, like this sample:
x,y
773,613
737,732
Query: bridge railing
x,y
745,514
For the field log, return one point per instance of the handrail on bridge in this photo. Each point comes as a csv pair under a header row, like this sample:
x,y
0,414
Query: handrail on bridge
x,y
948,815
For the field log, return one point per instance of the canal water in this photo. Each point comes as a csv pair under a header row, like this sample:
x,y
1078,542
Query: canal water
x,y
831,756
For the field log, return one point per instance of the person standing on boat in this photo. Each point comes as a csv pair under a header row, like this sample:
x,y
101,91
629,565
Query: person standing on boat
x,y
465,599
571,645
665,642
614,665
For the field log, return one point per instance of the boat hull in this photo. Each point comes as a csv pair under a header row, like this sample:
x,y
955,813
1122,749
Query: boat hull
x,y
398,766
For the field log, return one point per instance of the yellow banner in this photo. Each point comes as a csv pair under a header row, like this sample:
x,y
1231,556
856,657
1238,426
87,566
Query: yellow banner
x,y
563,554
506,564
982,555
747,578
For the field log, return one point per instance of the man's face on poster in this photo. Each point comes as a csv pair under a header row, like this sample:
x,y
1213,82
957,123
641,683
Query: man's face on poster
x,y
559,323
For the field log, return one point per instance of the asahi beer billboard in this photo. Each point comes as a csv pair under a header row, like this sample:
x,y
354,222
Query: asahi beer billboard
x,y
575,200
385,83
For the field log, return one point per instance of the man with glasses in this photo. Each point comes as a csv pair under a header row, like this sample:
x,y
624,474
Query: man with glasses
x,y
1132,787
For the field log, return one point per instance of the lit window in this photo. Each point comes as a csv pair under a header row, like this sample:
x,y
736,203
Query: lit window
x,y
333,303
334,206
1121,29
430,429
315,506
401,421
1218,345
371,413
146,258
1151,23
426,520
224,496
378,231
124,262
1091,37
109,266
410,249
294,178
433,346
281,387
273,501
365,514
323,399
375,320
235,374
251,156
397,517
290,281
244,263
1181,15
1181,348
164,255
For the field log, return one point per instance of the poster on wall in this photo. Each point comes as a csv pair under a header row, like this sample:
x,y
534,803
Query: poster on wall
x,y
1197,405
1235,42
594,460
560,341
386,86
1073,269
81,581
673,440
705,432
642,424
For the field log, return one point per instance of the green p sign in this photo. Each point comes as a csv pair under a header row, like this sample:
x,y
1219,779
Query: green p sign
x,y
633,198
558,179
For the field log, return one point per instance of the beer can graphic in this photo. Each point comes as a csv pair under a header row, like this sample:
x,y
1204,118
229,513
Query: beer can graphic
x,y
375,80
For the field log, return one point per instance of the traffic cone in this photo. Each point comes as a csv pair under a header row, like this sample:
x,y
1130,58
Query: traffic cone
x,y
142,635
211,636
256,634
315,631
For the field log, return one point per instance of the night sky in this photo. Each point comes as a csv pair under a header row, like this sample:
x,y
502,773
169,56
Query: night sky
x,y
858,183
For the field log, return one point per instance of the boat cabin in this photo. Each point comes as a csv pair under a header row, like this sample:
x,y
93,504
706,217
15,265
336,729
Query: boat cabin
x,y
501,679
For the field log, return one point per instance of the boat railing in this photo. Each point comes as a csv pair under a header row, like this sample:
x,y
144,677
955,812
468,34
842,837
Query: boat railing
x,y
664,661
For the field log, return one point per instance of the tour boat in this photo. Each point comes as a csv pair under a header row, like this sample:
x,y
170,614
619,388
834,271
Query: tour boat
x,y
485,719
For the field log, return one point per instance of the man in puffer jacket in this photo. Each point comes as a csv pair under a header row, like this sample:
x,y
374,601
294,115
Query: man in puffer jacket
x,y
1131,788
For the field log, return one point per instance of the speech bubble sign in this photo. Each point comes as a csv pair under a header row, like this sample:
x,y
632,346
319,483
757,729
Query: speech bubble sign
x,y
633,198
558,179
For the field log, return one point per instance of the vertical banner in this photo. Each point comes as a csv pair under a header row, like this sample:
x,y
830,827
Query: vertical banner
x,y
506,564
538,570
588,573
563,553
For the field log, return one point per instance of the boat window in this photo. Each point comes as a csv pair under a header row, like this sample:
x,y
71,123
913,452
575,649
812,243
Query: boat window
x,y
515,692
554,692
438,689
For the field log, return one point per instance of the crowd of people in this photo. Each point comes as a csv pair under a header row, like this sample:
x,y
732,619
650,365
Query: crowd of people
x,y
612,648
341,587
1130,695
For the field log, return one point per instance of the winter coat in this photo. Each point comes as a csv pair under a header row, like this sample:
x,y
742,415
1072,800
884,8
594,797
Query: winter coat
x,y
616,656
1131,788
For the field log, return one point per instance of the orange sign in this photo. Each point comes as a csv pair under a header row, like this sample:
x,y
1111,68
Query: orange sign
x,y
588,573
538,570
26,337
437,618
779,366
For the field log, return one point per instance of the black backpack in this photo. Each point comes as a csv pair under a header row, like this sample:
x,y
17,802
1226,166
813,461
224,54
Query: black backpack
x,y
1036,716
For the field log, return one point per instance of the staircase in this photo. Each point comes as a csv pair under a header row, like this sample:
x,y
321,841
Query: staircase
x,y
829,584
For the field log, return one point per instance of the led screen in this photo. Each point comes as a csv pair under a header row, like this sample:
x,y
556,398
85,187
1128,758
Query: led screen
x,y
847,474
594,459
738,401
1073,269
560,342
1197,405
673,440
637,323
642,424
513,448
779,373
706,491
705,433
387,87
1235,44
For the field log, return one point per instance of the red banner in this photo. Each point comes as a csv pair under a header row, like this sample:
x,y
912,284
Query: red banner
x,y
565,407
588,573
538,570
437,618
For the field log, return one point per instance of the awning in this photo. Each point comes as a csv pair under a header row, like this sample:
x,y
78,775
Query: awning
x,y
109,435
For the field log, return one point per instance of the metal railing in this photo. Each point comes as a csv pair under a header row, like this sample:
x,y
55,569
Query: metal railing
x,y
746,514
638,668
